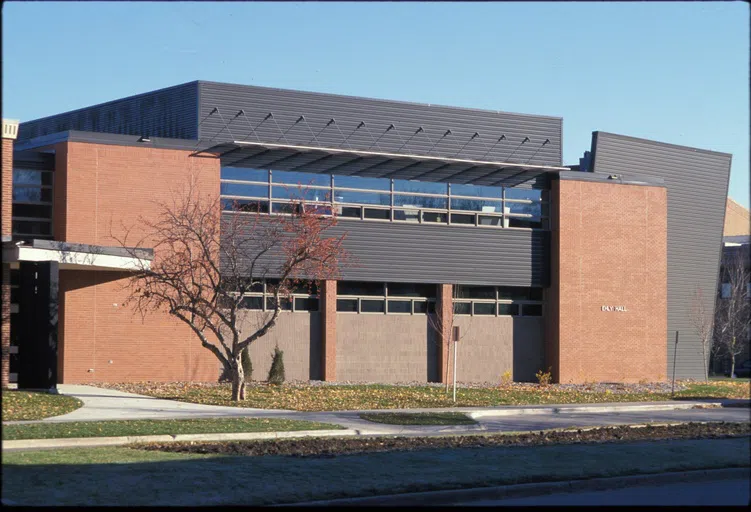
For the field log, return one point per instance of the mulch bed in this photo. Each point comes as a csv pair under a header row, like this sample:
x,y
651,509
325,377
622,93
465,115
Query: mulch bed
x,y
331,447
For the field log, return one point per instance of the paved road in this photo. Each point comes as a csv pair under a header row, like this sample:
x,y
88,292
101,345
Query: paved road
x,y
723,492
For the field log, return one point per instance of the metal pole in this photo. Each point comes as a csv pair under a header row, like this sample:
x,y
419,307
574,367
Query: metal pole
x,y
675,352
454,370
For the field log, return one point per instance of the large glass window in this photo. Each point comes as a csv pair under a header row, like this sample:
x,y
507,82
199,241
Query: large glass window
x,y
403,200
303,296
389,298
510,301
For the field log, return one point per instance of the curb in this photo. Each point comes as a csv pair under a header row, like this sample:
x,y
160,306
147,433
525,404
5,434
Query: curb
x,y
593,410
80,442
456,497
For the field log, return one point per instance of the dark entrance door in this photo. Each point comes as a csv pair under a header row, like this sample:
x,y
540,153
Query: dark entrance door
x,y
37,325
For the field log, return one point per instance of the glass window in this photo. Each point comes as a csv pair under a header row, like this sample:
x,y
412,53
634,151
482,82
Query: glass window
x,y
29,227
245,174
371,306
725,291
301,178
420,201
380,214
285,208
532,309
285,303
422,306
411,290
462,308
475,292
255,303
484,308
422,187
346,305
458,218
31,177
359,288
306,304
292,193
533,195
32,210
477,205
240,189
475,190
348,196
32,194
407,215
534,209
519,293
362,183
245,205
304,288
349,211
508,309
434,217
400,306
487,220
524,223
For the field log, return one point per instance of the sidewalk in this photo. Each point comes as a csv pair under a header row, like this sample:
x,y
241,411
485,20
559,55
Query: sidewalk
x,y
106,405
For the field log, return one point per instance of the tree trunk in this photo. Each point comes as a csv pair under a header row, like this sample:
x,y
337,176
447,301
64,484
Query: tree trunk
x,y
732,359
706,363
238,380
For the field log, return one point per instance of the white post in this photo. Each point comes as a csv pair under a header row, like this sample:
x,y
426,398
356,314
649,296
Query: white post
x,y
454,371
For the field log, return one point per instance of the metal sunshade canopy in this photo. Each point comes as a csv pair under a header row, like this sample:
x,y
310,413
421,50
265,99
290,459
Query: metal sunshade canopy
x,y
375,164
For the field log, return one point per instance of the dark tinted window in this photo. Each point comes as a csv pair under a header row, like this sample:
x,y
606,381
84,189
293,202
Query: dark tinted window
x,y
508,309
519,293
251,303
32,210
532,309
285,302
373,213
412,290
245,205
346,305
475,292
306,304
371,306
400,306
462,308
359,288
484,308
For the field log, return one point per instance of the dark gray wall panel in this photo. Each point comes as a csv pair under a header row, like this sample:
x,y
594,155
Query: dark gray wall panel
x,y
170,112
386,251
697,183
287,106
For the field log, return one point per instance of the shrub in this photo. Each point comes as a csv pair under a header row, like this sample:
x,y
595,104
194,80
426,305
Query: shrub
x,y
506,379
276,372
544,377
247,364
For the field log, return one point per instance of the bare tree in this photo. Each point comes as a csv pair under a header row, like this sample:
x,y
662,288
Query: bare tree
x,y
734,306
205,262
702,321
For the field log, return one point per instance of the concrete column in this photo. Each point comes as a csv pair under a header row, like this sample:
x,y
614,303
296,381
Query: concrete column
x,y
444,310
328,327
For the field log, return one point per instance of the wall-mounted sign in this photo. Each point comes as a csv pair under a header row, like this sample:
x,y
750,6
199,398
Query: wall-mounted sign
x,y
614,308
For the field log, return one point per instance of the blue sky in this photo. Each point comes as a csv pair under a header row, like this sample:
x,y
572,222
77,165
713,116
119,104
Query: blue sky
x,y
674,72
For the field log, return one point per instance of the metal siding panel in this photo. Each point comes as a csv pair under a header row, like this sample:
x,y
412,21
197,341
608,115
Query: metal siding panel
x,y
287,106
697,182
170,112
386,251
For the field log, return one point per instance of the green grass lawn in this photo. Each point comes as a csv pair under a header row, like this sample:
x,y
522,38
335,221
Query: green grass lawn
x,y
157,427
130,477
31,405
425,418
305,397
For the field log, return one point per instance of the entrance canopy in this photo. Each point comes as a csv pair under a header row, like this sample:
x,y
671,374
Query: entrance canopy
x,y
374,164
77,256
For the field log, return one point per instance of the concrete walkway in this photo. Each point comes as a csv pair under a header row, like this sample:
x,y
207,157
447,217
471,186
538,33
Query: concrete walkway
x,y
100,404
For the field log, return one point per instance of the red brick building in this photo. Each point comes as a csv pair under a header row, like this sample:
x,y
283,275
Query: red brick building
x,y
462,216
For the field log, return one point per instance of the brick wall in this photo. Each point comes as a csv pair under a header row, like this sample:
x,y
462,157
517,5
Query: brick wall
x,y
297,334
444,310
99,190
328,334
7,192
490,346
609,248
7,206
385,348
737,219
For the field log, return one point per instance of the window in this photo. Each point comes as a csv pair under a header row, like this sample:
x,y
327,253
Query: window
x,y
371,306
390,298
373,199
346,305
400,306
725,291
359,288
302,297
497,300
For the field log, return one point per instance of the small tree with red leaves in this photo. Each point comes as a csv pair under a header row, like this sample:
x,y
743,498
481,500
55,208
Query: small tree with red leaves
x,y
205,261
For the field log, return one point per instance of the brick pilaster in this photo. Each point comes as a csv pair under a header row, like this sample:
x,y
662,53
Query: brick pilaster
x,y
9,134
444,309
328,328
